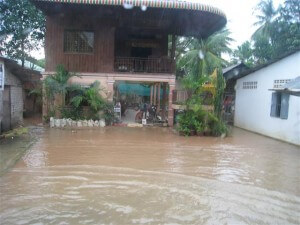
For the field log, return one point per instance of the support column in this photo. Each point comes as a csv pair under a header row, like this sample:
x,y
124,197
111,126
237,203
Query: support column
x,y
45,104
110,90
164,100
173,48
171,111
151,94
154,96
158,97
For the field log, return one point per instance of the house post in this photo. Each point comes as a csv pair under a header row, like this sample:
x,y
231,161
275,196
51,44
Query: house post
x,y
158,97
164,98
173,47
110,90
154,95
45,103
151,94
171,111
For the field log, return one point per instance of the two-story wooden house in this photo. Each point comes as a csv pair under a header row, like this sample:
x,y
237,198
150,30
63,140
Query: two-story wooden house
x,y
120,40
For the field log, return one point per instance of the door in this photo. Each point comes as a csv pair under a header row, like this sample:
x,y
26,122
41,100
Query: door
x,y
6,120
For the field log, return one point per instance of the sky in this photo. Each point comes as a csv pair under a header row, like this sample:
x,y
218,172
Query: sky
x,y
240,19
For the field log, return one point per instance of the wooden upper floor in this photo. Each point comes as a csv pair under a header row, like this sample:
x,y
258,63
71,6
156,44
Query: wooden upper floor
x,y
91,38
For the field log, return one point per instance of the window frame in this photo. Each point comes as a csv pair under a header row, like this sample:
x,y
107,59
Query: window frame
x,y
280,101
74,52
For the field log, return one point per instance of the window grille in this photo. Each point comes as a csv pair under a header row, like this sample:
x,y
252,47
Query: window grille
x,y
78,41
280,83
250,85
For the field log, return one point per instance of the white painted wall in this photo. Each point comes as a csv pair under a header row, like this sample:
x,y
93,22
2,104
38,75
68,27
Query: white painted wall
x,y
253,106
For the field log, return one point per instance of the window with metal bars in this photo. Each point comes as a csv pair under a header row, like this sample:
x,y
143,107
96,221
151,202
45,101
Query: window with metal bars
x,y
78,41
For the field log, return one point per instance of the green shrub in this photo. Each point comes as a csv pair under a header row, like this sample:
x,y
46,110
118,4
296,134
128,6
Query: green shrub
x,y
200,121
187,122
72,113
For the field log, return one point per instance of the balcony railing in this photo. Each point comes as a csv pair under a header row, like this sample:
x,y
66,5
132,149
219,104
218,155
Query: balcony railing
x,y
144,65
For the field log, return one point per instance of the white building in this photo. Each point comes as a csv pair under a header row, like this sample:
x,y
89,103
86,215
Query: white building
x,y
263,106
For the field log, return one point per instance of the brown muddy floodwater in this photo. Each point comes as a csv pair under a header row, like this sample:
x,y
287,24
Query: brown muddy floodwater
x,y
152,176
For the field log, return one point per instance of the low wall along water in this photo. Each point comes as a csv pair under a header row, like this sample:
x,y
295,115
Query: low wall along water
x,y
65,123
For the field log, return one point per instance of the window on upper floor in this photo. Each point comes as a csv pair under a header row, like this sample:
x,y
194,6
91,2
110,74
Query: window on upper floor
x,y
78,41
280,105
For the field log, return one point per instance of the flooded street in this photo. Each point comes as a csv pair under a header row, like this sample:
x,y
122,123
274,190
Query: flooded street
x,y
122,175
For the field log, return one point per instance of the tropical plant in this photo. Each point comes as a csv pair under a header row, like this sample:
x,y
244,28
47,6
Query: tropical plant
x,y
202,56
218,98
244,53
200,121
278,32
265,18
91,96
57,84
22,28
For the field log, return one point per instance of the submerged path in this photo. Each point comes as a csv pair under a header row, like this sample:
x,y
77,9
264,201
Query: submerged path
x,y
152,176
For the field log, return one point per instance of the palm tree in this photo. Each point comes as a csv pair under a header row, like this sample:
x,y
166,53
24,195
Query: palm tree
x,y
203,56
57,85
265,18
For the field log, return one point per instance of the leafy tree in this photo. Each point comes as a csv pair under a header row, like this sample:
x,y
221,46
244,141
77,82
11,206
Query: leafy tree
x,y
22,28
244,53
290,11
278,33
203,56
218,98
41,63
265,18
57,84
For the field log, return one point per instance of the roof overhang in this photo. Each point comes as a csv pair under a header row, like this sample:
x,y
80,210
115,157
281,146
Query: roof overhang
x,y
24,74
190,18
295,92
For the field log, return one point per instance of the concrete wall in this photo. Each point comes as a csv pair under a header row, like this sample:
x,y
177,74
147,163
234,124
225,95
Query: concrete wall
x,y
253,106
16,99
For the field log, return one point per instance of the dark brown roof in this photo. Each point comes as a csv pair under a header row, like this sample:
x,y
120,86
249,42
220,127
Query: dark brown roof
x,y
185,18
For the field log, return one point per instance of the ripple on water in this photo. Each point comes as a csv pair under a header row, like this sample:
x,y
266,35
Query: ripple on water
x,y
95,195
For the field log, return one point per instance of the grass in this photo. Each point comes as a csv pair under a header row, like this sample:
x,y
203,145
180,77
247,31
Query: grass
x,y
15,132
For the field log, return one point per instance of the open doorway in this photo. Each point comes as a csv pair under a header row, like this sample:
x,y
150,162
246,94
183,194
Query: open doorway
x,y
139,52
142,102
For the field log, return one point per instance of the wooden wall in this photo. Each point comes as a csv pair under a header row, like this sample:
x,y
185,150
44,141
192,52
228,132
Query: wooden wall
x,y
101,60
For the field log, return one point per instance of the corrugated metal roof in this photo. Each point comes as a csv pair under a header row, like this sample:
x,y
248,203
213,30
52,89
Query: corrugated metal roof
x,y
168,4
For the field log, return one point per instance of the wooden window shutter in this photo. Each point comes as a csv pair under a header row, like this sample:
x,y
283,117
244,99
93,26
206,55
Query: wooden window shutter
x,y
284,112
274,104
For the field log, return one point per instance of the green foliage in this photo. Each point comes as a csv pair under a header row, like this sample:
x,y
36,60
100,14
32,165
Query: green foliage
x,y
277,34
108,112
72,113
244,53
89,95
41,63
58,83
93,99
200,57
22,28
265,18
218,99
200,121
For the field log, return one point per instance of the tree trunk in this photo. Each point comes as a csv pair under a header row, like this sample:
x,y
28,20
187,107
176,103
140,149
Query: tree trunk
x,y
23,52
